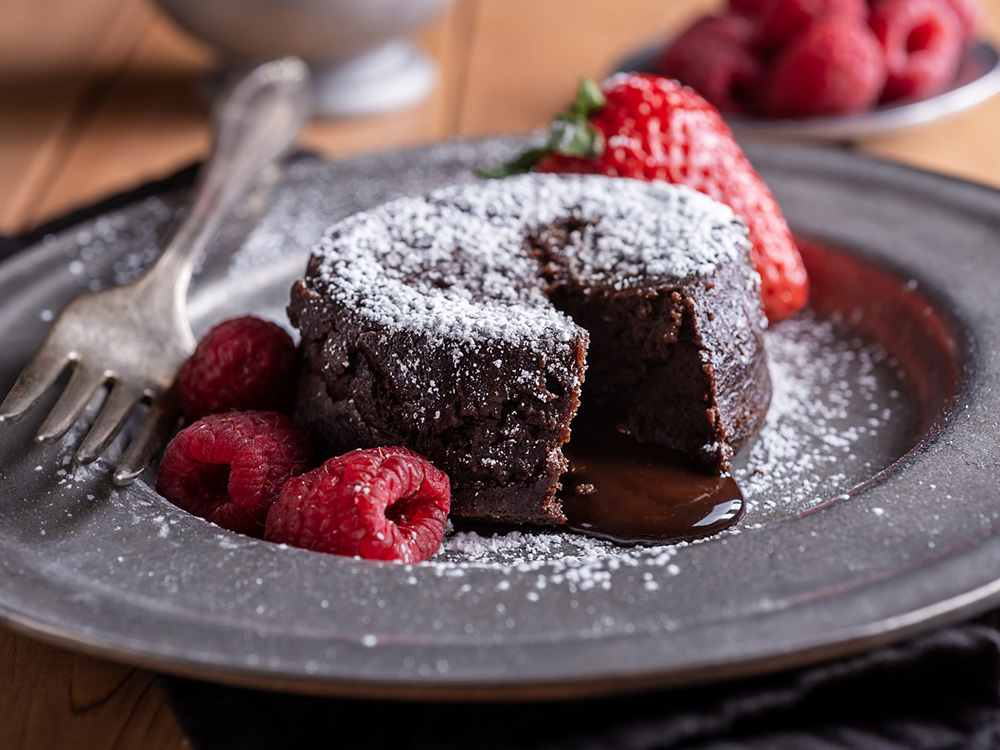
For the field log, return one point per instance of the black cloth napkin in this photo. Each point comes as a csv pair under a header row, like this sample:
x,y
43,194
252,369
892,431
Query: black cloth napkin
x,y
936,692
939,691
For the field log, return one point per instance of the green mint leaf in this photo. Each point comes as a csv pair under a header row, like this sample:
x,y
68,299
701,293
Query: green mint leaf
x,y
571,134
589,98
574,135
518,165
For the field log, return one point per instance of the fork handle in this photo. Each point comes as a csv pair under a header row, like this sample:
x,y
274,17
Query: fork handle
x,y
254,125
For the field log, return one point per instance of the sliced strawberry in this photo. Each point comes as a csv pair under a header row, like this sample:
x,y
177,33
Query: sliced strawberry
x,y
652,128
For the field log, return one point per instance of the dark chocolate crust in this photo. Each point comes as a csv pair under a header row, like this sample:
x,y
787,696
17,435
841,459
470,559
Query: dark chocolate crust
x,y
498,438
480,368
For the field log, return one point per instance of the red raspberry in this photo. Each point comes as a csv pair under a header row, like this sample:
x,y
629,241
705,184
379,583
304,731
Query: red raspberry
x,y
970,17
379,504
652,128
749,7
243,363
781,20
922,41
229,468
713,57
835,67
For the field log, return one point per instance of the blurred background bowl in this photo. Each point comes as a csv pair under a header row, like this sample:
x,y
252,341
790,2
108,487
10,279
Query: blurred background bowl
x,y
357,50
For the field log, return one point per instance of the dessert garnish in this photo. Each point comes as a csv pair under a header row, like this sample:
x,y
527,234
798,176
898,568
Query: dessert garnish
x,y
378,504
651,128
809,58
229,468
923,41
243,363
834,67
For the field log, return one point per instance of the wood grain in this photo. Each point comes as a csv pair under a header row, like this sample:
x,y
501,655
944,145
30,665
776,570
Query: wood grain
x,y
428,121
55,56
147,121
51,698
528,56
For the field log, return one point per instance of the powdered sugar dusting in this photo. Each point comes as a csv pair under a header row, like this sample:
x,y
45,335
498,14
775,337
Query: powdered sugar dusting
x,y
812,449
813,439
454,264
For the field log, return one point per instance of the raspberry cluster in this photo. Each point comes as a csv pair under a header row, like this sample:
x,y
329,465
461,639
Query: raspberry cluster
x,y
241,466
806,58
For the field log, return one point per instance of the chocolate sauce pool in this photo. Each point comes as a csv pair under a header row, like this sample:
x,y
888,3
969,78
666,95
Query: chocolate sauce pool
x,y
633,493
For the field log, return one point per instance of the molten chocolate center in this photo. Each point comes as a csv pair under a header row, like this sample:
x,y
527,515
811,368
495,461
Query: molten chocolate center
x,y
633,493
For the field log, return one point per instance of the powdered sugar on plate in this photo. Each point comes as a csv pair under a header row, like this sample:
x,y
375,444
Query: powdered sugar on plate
x,y
812,449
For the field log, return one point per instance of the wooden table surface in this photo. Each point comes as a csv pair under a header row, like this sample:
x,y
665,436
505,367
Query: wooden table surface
x,y
99,96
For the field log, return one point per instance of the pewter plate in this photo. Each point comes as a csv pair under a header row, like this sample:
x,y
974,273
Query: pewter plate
x,y
977,80
873,508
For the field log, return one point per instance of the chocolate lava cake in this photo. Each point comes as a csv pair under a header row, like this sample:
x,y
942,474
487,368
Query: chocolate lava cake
x,y
460,325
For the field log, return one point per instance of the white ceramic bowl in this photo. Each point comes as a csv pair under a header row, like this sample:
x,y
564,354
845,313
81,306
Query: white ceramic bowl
x,y
356,49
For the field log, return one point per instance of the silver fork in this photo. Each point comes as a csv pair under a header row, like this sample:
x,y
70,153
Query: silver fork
x,y
133,339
